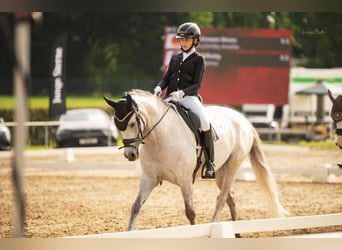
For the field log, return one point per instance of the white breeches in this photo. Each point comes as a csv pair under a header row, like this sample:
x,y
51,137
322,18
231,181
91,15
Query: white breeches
x,y
194,104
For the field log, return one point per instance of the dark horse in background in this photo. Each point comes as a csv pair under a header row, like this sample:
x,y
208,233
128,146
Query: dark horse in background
x,y
336,115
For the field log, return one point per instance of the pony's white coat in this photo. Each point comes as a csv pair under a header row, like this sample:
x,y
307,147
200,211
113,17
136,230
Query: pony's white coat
x,y
169,154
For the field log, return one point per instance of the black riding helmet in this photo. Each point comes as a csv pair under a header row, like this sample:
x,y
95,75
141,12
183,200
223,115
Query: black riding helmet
x,y
189,29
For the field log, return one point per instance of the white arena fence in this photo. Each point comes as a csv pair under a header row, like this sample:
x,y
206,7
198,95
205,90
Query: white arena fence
x,y
321,172
228,229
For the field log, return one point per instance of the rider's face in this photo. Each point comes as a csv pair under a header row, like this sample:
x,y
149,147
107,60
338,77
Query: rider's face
x,y
186,42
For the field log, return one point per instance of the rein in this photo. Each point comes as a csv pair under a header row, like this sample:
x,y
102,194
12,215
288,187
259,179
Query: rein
x,y
339,131
140,138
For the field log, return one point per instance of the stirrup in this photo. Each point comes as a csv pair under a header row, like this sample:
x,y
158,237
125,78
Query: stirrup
x,y
209,172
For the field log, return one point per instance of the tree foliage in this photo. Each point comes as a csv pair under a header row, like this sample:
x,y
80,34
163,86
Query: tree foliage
x,y
112,52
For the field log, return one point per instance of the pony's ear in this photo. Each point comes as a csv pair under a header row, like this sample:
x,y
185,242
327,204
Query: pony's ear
x,y
332,98
110,102
129,100
131,104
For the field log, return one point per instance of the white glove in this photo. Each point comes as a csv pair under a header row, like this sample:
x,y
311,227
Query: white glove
x,y
177,95
157,91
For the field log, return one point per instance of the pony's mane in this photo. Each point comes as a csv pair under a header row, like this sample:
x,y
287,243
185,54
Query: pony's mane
x,y
139,92
143,93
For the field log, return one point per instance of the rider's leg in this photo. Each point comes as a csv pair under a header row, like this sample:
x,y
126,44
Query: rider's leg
x,y
209,144
193,103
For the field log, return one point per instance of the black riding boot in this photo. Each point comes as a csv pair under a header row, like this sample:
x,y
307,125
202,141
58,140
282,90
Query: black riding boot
x,y
209,154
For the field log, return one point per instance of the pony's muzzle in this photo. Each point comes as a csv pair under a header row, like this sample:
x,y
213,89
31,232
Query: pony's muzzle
x,y
131,154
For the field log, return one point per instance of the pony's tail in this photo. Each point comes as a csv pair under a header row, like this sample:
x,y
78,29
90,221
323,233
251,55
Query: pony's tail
x,y
265,178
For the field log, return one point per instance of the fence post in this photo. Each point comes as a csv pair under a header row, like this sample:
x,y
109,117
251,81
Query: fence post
x,y
321,173
222,230
46,137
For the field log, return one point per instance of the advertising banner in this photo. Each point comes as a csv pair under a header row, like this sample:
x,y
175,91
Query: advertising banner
x,y
57,105
242,65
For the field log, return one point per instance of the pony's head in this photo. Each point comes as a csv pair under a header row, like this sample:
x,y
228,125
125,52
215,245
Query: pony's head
x,y
130,123
336,115
336,110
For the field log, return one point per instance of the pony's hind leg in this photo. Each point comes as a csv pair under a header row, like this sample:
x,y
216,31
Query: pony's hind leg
x,y
232,208
222,197
224,179
146,187
231,204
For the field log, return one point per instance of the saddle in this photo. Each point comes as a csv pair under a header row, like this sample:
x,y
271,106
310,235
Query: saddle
x,y
191,119
193,122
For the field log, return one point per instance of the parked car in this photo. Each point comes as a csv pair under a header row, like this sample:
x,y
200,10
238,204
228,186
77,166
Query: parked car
x,y
86,127
5,136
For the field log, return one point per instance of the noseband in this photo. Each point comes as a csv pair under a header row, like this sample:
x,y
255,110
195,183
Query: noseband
x,y
339,131
128,142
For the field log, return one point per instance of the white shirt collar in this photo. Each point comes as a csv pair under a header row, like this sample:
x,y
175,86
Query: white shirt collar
x,y
186,55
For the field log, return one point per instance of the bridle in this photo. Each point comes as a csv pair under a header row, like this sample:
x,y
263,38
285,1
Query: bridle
x,y
337,117
339,131
139,120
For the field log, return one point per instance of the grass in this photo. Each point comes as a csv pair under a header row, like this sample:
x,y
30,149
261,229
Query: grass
x,y
8,102
310,144
320,144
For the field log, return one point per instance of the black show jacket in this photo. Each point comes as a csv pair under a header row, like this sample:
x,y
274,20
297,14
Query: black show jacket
x,y
186,76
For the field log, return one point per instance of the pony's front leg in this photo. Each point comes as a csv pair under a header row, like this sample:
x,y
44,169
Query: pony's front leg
x,y
145,189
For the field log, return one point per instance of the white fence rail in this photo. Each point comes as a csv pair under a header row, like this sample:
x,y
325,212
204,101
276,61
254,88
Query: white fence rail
x,y
321,172
45,124
271,133
228,229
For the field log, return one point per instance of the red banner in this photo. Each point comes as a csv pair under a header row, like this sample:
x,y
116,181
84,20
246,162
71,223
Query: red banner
x,y
242,65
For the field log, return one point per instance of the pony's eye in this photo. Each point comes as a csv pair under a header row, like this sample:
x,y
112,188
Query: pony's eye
x,y
337,116
132,124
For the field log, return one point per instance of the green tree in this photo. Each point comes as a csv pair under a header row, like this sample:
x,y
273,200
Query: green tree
x,y
316,37
111,52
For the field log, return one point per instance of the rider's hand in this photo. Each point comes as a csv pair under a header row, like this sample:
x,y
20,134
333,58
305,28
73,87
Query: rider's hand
x,y
177,95
157,91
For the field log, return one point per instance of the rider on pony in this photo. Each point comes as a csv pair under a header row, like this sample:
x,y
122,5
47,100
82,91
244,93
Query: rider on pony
x,y
183,80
